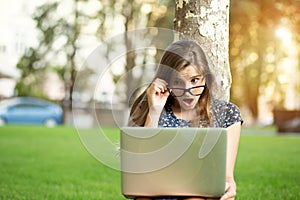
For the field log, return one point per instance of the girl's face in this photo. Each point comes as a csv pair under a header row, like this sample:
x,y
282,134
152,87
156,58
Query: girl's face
x,y
186,87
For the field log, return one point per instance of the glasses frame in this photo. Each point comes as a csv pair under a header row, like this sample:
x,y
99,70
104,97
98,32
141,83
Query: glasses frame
x,y
187,90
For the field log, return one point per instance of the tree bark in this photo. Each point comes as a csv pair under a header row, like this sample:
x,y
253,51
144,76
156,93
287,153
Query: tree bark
x,y
207,22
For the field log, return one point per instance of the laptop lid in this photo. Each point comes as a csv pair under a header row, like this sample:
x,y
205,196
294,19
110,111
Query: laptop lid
x,y
159,162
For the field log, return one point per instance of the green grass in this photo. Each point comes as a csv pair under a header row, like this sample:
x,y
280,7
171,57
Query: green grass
x,y
268,167
51,163
43,163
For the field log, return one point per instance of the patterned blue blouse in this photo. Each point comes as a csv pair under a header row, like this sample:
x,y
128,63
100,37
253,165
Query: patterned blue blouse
x,y
223,113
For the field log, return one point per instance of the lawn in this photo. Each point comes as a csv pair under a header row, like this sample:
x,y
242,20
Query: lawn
x,y
52,163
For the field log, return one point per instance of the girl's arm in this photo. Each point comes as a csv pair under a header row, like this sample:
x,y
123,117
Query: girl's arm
x,y
157,94
152,118
233,137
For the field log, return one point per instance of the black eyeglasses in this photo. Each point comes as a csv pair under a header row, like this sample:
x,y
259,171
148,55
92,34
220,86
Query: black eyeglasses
x,y
179,92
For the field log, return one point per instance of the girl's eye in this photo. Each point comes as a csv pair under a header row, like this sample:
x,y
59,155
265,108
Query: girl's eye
x,y
195,80
177,82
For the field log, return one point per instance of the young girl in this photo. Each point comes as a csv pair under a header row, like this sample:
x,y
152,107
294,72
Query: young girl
x,y
180,96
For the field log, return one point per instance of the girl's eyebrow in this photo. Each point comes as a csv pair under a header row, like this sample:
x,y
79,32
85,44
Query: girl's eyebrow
x,y
182,78
196,76
179,79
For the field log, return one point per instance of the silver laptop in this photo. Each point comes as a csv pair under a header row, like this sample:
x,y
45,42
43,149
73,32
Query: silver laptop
x,y
160,162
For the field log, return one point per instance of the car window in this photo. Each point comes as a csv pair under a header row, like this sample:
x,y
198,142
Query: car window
x,y
24,106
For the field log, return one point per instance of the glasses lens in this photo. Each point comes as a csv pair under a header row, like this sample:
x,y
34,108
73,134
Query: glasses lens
x,y
177,92
197,90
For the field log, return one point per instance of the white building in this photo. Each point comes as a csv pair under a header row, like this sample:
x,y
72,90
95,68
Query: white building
x,y
17,34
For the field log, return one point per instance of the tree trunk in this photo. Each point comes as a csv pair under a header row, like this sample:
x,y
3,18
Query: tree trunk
x,y
207,22
70,74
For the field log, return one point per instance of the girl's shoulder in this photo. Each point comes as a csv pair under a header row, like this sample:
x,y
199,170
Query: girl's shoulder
x,y
222,104
225,113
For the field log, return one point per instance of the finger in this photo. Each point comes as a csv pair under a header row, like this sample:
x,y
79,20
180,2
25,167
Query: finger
x,y
154,88
230,194
159,89
227,186
166,93
161,81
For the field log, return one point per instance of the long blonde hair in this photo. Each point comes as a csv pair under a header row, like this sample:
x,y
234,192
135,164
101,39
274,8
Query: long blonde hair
x,y
177,56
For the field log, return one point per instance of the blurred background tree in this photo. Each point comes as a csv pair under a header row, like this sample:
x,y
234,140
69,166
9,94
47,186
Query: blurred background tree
x,y
33,65
61,37
58,36
133,14
264,65
264,48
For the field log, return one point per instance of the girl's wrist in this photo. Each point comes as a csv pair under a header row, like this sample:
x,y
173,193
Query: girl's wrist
x,y
230,179
155,110
153,117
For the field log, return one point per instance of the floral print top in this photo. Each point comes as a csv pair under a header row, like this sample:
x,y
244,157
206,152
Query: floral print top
x,y
223,113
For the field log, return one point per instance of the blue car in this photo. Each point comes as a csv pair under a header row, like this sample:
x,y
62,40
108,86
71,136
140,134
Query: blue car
x,y
29,110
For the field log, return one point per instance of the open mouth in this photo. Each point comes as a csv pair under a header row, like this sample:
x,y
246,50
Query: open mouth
x,y
188,101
